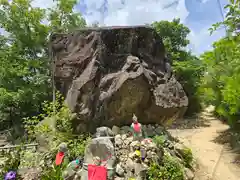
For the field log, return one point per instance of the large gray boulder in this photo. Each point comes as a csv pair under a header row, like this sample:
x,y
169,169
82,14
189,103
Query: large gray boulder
x,y
107,74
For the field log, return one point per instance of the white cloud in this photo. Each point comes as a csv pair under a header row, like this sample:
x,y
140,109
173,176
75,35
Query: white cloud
x,y
43,3
134,12
204,1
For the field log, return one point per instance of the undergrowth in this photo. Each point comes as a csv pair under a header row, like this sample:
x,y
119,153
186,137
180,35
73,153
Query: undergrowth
x,y
54,126
170,169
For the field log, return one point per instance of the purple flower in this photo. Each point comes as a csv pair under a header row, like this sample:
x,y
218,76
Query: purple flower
x,y
11,175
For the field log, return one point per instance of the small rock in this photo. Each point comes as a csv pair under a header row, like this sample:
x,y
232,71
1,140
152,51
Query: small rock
x,y
132,155
63,147
119,170
159,130
152,146
149,131
140,171
149,154
125,130
104,131
118,140
129,165
170,144
116,130
138,168
128,140
188,174
135,143
180,148
124,136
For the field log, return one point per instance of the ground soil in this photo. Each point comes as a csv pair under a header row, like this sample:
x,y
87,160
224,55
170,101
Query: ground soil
x,y
209,140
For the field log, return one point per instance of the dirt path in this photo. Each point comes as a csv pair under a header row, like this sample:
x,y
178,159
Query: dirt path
x,y
216,160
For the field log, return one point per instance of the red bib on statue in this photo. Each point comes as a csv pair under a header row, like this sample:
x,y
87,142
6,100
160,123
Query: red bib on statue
x,y
59,158
136,127
97,172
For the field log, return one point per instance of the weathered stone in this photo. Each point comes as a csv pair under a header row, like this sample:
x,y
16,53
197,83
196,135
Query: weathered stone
x,y
104,131
151,146
119,170
188,174
149,131
158,130
124,137
128,140
140,171
107,74
180,149
125,130
129,165
115,130
132,155
118,140
135,145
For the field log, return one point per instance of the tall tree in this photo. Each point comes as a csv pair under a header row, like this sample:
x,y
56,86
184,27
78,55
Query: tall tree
x,y
24,63
222,79
174,36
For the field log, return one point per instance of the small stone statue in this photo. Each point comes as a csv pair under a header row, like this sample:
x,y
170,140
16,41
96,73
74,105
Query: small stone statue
x,y
72,169
61,156
136,128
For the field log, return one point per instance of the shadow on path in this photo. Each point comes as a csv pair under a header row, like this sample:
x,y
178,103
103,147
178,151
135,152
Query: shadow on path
x,y
191,123
231,139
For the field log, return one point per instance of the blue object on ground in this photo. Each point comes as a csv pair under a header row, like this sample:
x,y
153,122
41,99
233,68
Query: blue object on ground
x,y
11,175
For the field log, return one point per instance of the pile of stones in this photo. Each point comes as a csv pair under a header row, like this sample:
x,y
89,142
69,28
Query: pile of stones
x,y
127,157
124,156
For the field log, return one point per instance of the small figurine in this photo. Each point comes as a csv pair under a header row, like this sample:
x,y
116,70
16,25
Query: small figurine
x,y
136,128
72,168
61,155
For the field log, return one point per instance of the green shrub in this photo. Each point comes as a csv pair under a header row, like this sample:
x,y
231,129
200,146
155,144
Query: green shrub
x,y
171,169
189,73
159,140
220,84
56,127
77,146
55,116
54,172
12,161
187,156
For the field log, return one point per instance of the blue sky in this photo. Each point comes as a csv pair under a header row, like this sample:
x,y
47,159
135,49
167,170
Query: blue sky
x,y
198,15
